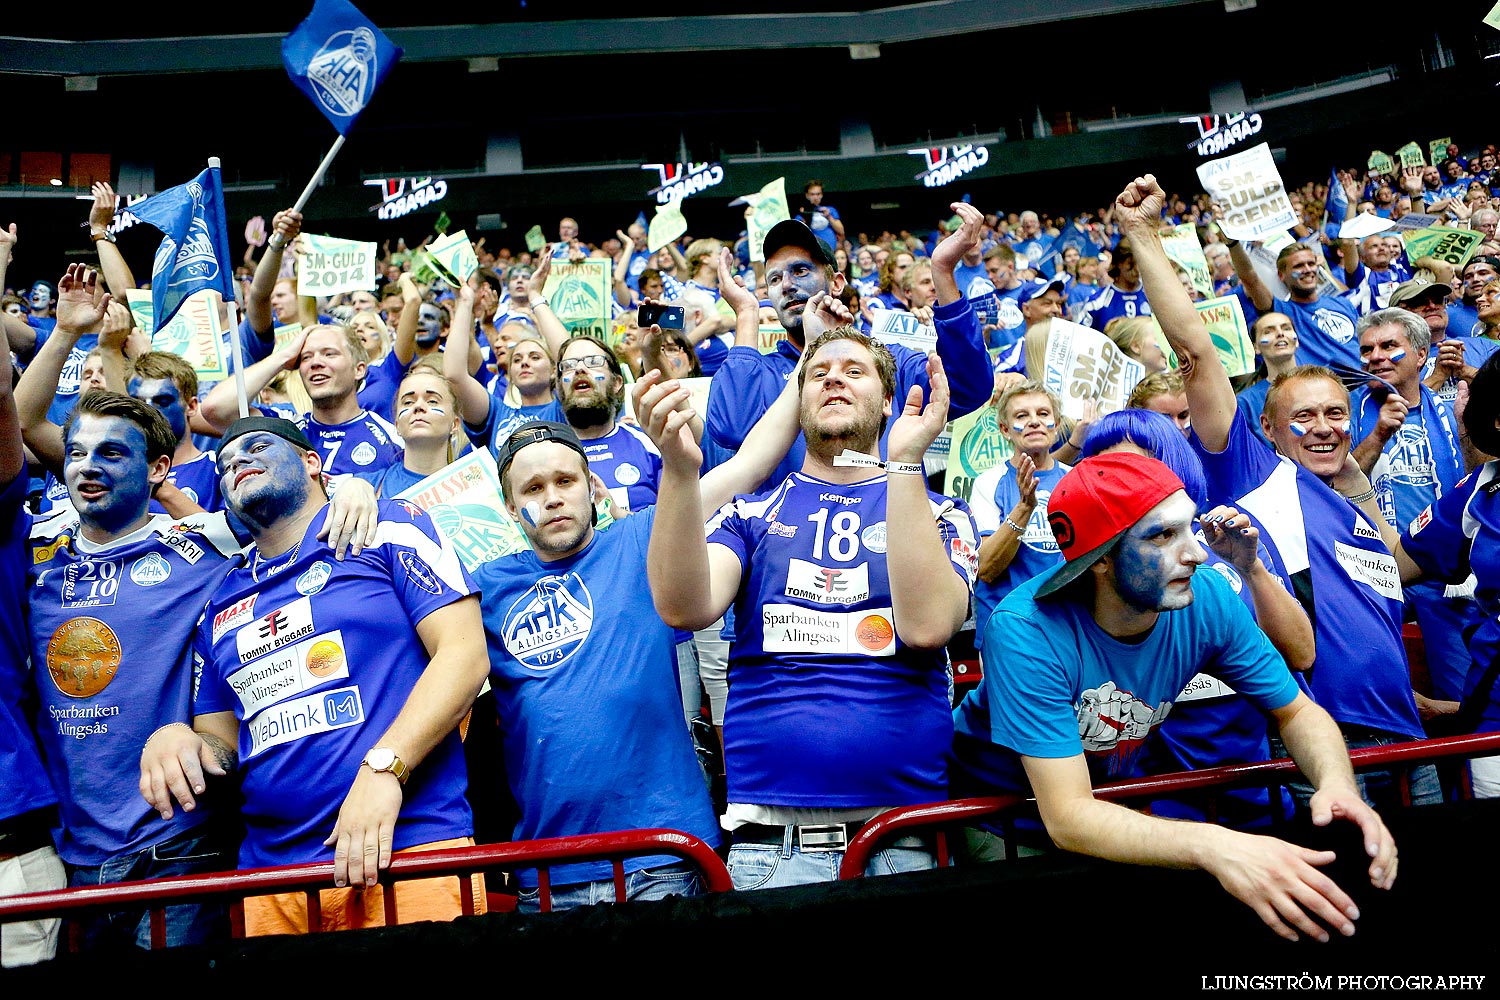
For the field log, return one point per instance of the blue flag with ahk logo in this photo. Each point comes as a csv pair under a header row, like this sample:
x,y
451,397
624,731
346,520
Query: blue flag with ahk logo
x,y
194,253
337,58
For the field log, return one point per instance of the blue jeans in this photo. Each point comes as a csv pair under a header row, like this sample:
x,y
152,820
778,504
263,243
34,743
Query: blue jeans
x,y
647,883
189,853
1381,790
771,866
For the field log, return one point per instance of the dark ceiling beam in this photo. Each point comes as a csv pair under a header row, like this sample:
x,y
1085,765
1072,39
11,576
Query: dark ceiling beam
x,y
616,36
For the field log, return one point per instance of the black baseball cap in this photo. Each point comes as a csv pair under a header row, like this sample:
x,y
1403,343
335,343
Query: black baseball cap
x,y
534,433
794,233
283,429
1489,259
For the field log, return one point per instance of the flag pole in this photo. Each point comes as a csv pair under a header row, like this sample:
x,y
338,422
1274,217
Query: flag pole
x,y
317,177
236,352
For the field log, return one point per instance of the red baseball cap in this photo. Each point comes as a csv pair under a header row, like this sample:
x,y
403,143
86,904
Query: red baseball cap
x,y
1099,500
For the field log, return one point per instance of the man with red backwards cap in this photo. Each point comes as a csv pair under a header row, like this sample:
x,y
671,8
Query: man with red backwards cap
x,y
1088,659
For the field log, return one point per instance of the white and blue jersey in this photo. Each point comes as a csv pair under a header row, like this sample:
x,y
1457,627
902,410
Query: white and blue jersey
x,y
994,495
828,708
1325,330
367,443
1339,570
111,633
1477,351
1251,402
993,307
1111,303
316,657
1060,686
1080,295
1420,462
628,463
585,680
1370,290
198,479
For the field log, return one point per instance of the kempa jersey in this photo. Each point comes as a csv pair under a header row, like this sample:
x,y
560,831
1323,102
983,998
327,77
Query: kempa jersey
x,y
111,640
827,707
316,658
368,443
1112,303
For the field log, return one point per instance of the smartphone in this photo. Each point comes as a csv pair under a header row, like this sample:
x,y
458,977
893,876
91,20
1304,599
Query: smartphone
x,y
666,317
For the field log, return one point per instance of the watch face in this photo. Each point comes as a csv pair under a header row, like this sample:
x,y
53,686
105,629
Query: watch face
x,y
380,759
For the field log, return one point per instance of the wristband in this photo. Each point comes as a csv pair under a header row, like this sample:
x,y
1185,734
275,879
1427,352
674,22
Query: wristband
x,y
849,457
1015,527
1360,498
169,726
537,300
904,469
275,242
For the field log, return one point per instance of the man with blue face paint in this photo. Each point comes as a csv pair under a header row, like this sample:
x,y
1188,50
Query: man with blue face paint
x,y
168,382
1317,514
113,590
338,686
798,267
1089,660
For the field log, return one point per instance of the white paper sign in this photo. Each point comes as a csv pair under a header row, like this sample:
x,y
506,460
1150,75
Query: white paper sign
x,y
1248,188
1083,364
1362,225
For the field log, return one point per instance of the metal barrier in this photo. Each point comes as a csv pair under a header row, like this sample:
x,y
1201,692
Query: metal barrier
x,y
462,862
943,818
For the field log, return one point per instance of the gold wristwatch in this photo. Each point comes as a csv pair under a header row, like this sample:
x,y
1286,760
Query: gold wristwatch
x,y
384,759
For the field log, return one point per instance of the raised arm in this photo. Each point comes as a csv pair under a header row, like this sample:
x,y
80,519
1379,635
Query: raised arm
x,y
221,407
1210,396
117,274
114,336
928,599
473,399
285,227
1260,295
547,322
998,549
404,344
12,453
81,305
20,335
948,254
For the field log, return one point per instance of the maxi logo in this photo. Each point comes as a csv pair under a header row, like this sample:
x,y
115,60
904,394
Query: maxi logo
x,y
549,622
807,581
234,616
282,627
321,712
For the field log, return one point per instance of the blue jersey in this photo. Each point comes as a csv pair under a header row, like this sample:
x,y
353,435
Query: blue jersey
x,y
316,657
382,379
198,479
111,643
1251,402
628,463
1110,303
1079,295
749,381
639,261
828,708
1341,573
711,354
993,307
1325,330
1456,536
365,444
1463,319
1419,463
1035,254
1060,686
502,420
585,680
993,497
26,784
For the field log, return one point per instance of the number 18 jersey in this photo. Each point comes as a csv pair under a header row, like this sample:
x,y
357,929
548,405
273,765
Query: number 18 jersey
x,y
827,707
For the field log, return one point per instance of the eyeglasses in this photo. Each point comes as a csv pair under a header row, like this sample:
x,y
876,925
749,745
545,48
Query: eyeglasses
x,y
571,365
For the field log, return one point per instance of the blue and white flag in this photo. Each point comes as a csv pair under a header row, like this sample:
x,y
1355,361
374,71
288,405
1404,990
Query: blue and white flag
x,y
1337,204
337,58
194,253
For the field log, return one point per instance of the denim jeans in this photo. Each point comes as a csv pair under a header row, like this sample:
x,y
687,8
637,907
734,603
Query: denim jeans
x,y
189,853
1381,790
771,866
647,883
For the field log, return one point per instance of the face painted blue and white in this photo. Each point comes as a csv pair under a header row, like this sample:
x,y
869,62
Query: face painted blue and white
x,y
430,323
793,277
163,394
41,296
264,478
108,474
1154,563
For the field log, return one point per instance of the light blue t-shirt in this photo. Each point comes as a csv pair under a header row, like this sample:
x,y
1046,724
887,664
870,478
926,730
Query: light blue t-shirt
x,y
994,495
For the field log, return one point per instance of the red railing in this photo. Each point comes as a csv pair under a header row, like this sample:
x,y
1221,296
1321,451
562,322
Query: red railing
x,y
462,862
940,818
